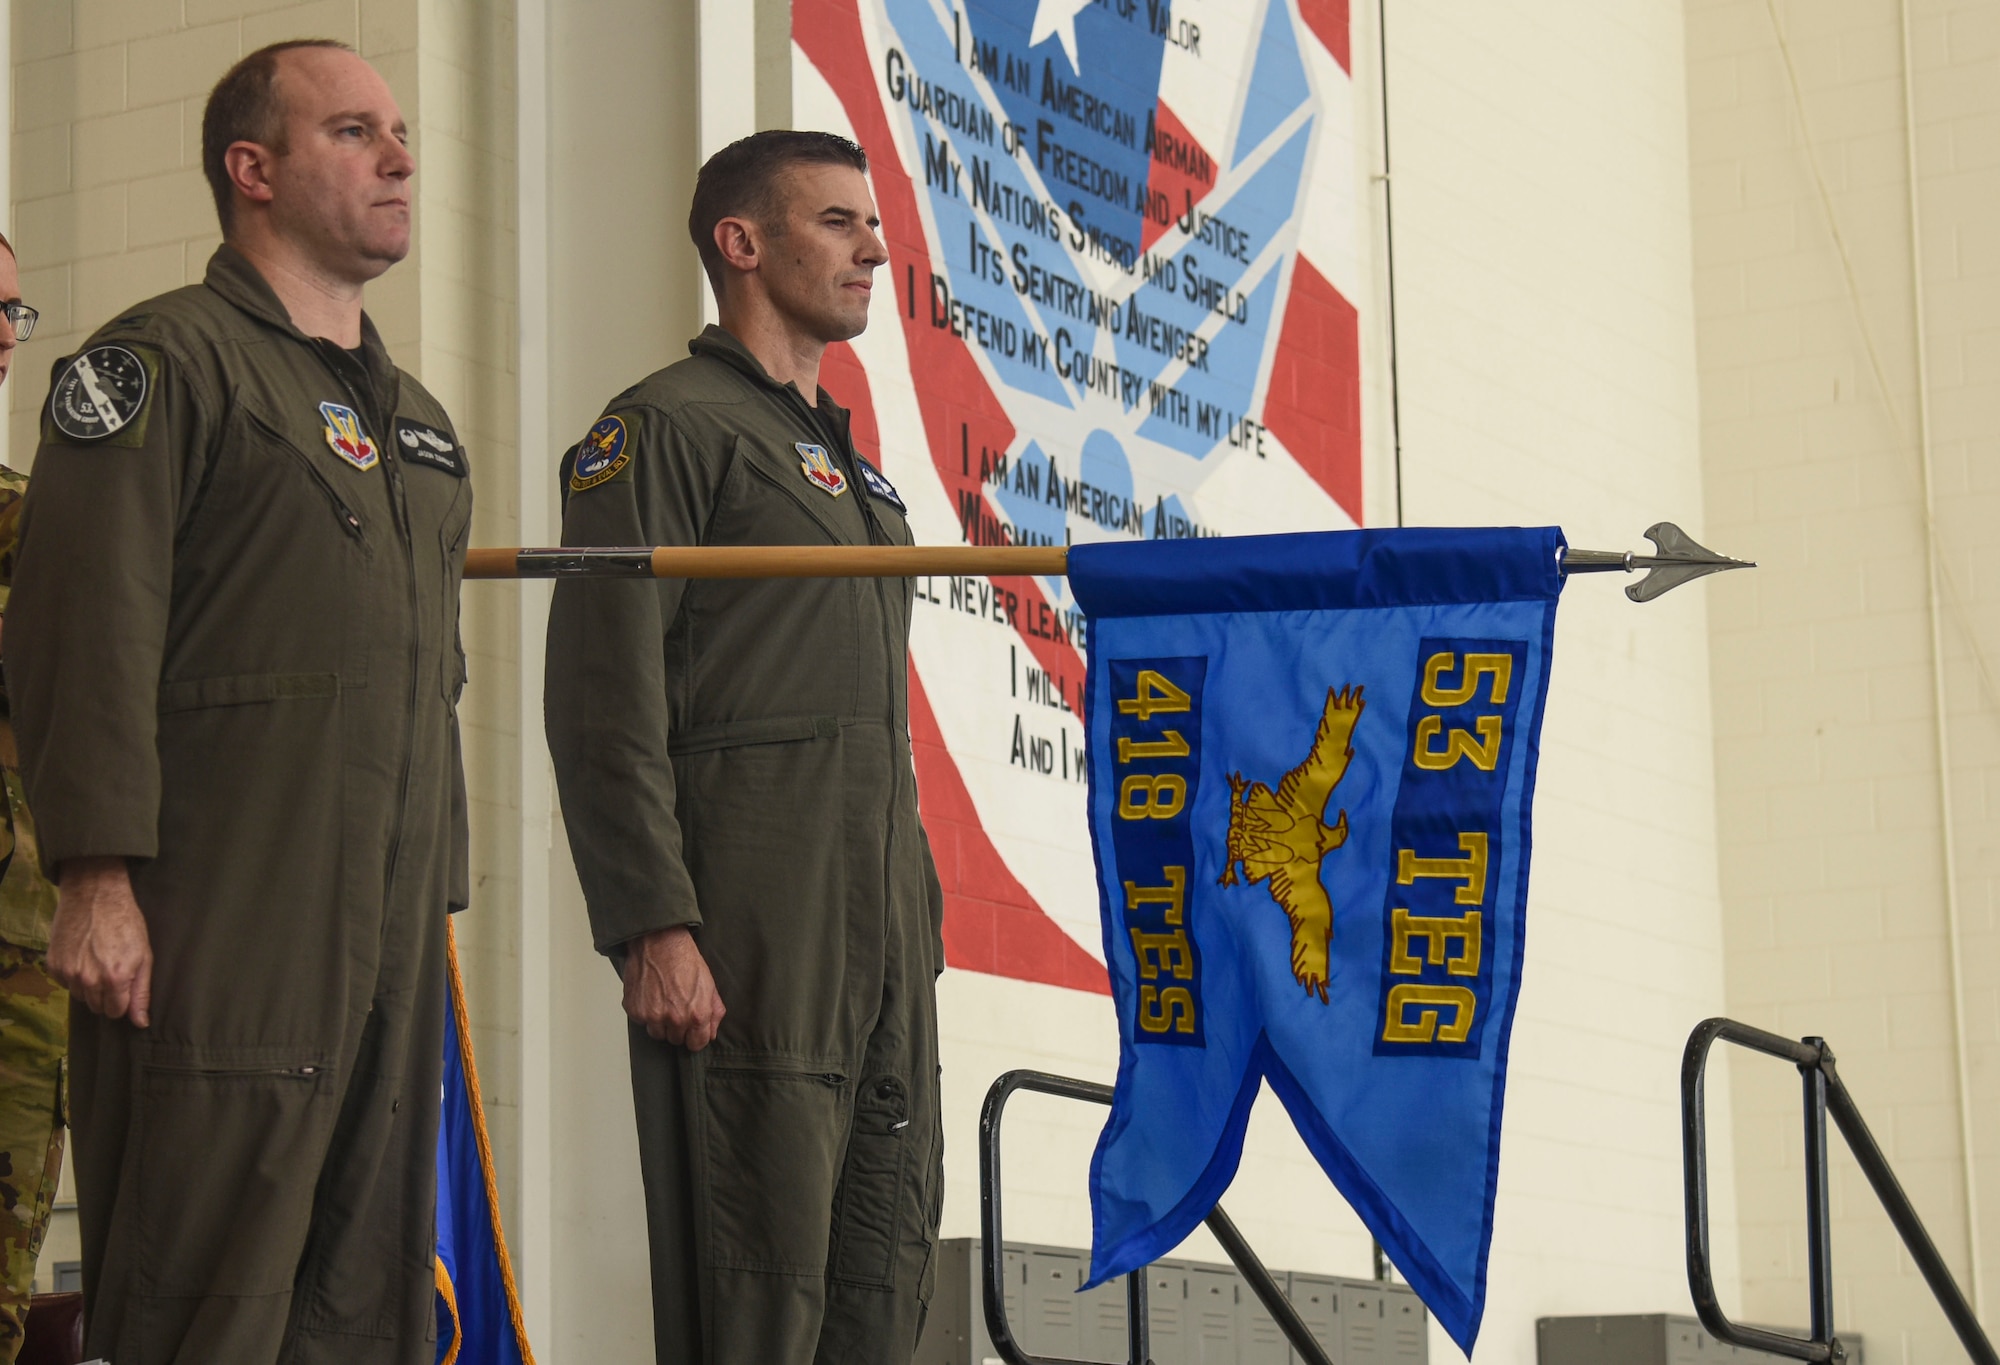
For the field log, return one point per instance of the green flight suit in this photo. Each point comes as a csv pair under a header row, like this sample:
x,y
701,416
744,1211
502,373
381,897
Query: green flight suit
x,y
735,755
234,659
34,1009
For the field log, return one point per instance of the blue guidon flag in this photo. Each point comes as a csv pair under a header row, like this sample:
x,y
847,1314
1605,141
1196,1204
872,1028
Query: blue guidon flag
x,y
1312,762
478,1308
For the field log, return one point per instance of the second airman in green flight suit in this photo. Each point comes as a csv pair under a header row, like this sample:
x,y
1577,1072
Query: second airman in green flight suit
x,y
735,770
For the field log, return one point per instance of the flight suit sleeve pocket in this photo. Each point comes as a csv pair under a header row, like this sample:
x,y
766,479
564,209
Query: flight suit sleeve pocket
x,y
771,1143
874,1200
230,1223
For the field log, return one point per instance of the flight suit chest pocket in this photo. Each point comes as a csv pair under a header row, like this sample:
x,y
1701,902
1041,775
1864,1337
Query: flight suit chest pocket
x,y
436,483
453,534
289,463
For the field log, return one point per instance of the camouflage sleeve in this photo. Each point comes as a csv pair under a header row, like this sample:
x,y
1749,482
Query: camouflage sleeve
x,y
86,628
635,480
13,487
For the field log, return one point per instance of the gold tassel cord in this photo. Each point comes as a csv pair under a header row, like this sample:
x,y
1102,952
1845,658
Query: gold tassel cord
x,y
485,1152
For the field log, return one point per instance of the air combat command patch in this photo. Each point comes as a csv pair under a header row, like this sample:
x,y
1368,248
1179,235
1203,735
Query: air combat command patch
x,y
601,455
820,469
345,436
98,394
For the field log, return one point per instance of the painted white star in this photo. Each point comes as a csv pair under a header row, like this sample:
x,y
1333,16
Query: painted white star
x,y
1057,19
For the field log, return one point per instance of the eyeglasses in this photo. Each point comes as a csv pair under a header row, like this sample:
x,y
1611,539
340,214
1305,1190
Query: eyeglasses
x,y
21,318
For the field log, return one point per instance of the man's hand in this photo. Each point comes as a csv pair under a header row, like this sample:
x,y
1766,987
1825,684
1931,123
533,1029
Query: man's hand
x,y
98,945
668,989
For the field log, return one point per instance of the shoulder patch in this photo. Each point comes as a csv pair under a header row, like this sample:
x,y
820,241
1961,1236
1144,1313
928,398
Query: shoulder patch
x,y
100,393
601,455
879,486
420,443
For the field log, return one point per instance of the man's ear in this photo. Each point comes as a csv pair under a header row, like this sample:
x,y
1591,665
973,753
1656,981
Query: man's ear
x,y
249,165
739,243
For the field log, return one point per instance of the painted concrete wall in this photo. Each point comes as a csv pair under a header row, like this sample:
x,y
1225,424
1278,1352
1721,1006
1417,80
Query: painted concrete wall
x,y
1546,354
1820,413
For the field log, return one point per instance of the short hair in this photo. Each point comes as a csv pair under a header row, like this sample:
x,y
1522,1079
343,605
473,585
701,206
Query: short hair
x,y
244,107
9,246
741,181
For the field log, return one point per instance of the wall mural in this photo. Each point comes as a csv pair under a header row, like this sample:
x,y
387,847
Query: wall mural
x,y
1124,254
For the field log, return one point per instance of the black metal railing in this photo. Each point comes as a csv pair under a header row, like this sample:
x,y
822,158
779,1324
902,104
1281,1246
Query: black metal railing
x,y
1824,1094
993,1272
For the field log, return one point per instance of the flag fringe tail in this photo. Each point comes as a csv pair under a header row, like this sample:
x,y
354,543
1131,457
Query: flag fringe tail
x,y
450,1298
485,1145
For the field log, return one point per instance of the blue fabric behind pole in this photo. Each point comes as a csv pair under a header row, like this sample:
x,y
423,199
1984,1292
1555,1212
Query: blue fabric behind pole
x,y
1312,764
471,1254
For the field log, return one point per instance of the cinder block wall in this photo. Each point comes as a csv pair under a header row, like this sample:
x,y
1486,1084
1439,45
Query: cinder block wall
x,y
1828,750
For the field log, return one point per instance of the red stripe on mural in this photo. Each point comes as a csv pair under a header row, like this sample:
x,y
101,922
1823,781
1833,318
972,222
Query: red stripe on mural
x,y
841,375
1181,175
991,923
962,418
1314,402
1329,20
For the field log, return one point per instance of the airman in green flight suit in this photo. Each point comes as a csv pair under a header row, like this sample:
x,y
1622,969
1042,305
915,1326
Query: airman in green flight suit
x,y
233,656
734,764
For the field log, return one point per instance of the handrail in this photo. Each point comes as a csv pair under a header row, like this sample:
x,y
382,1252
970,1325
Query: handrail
x,y
1823,1094
993,1263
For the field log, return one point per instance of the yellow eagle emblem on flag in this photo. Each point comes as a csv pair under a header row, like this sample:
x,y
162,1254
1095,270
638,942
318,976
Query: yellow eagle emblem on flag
x,y
1279,837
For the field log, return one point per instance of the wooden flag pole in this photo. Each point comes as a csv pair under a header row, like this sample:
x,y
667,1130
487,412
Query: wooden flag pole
x,y
1676,560
768,561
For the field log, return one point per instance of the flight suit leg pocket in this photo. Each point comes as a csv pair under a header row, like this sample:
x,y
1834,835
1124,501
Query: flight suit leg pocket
x,y
771,1153
230,1150
870,1210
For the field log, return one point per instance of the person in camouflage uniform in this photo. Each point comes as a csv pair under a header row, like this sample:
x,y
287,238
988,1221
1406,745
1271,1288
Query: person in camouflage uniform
x,y
34,1010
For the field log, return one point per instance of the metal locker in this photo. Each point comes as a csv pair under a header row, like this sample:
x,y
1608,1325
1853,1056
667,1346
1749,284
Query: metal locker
x,y
1102,1314
1016,1258
1317,1299
1167,1312
1212,1299
1405,1334
1362,1336
1652,1339
1050,1321
1259,1342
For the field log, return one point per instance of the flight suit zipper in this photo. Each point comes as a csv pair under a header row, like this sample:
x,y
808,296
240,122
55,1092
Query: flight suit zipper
x,y
296,1073
335,359
350,520
843,451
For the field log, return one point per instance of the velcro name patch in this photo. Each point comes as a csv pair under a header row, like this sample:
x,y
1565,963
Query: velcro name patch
x,y
879,486
422,444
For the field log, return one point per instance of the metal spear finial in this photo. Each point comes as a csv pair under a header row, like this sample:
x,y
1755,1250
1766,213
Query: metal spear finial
x,y
1679,560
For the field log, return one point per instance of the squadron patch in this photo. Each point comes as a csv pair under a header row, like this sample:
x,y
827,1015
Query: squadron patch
x,y
347,439
872,478
426,445
601,455
820,469
98,394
